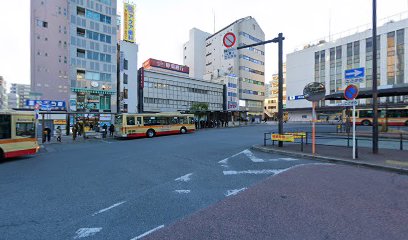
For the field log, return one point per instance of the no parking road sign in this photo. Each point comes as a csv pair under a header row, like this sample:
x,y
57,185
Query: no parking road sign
x,y
351,92
229,39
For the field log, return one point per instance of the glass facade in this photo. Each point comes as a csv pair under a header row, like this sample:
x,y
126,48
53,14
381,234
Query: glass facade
x,y
369,61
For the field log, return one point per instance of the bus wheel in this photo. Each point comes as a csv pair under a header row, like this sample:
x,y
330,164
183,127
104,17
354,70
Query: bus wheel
x,y
150,133
366,123
183,130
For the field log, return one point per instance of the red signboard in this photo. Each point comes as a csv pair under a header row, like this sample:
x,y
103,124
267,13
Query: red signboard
x,y
165,65
141,78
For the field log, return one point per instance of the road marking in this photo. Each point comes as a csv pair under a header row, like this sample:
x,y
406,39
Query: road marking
x,y
255,172
251,156
86,232
234,192
184,178
225,161
106,141
182,191
271,171
282,159
394,162
109,208
147,233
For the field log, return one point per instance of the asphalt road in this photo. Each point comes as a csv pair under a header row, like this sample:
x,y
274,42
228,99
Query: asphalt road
x,y
124,189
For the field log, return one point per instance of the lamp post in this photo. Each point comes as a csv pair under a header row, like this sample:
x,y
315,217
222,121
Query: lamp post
x,y
374,88
278,40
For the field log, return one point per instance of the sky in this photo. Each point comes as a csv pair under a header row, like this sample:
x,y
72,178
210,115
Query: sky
x,y
162,27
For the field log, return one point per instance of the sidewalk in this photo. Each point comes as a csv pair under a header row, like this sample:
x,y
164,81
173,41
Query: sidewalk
x,y
386,159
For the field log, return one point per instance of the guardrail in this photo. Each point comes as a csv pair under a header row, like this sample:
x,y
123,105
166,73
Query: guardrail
x,y
398,137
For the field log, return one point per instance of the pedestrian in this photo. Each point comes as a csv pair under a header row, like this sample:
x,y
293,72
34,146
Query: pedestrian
x,y
111,130
196,123
48,133
226,123
91,127
59,134
222,123
80,129
74,132
104,130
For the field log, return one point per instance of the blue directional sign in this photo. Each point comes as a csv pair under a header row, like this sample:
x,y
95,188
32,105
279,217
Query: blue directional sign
x,y
46,105
298,97
354,73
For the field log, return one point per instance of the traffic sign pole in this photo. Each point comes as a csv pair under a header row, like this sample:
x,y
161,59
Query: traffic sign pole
x,y
314,127
354,131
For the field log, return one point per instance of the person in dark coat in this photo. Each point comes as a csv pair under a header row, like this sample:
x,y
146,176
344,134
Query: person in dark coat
x,y
111,130
47,131
105,130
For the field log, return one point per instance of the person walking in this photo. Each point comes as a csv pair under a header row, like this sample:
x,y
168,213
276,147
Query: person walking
x,y
48,133
104,130
111,130
74,132
59,134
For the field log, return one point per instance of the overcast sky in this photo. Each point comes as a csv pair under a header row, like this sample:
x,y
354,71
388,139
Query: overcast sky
x,y
162,26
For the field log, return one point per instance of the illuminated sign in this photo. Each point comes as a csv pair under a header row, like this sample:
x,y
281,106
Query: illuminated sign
x,y
129,22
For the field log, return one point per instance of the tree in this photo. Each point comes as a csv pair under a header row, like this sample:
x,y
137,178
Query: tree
x,y
199,108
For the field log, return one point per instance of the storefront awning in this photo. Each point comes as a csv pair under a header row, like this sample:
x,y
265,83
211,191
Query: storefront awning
x,y
93,91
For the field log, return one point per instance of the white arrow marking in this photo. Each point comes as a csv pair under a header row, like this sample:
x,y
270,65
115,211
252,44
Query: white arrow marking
x,y
182,191
355,73
86,232
184,178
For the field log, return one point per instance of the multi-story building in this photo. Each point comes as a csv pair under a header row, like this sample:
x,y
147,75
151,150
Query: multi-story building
x,y
127,77
13,101
167,87
248,65
194,52
326,62
3,94
73,53
23,91
271,100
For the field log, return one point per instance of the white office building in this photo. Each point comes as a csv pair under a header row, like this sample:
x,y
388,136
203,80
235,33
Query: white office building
x,y
3,94
127,82
248,65
194,53
326,62
23,92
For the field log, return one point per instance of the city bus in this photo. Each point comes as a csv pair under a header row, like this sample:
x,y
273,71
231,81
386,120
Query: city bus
x,y
150,125
17,134
393,116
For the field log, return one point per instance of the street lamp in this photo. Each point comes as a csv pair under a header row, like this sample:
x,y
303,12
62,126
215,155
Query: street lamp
x,y
278,40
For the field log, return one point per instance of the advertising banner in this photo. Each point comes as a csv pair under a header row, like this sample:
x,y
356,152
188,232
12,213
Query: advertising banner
x,y
129,22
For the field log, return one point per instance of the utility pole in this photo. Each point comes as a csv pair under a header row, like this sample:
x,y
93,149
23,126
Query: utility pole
x,y
278,40
374,89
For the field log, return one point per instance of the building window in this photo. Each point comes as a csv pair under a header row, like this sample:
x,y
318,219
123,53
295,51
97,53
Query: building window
x,y
80,74
80,11
80,53
391,58
125,64
125,78
400,62
125,93
80,32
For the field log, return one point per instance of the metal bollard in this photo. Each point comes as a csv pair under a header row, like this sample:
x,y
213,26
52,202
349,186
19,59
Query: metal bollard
x,y
306,138
301,144
356,148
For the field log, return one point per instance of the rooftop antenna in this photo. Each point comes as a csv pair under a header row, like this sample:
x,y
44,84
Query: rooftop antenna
x,y
214,17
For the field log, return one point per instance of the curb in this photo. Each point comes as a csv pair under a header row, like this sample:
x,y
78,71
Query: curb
x,y
331,159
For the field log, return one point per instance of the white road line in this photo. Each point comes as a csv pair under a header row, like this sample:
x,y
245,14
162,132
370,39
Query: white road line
x,y
251,156
147,233
255,172
225,161
109,208
281,159
184,178
86,232
182,191
106,141
234,192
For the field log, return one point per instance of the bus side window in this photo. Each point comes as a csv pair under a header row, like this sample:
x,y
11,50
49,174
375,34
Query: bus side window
x,y
130,120
5,126
139,121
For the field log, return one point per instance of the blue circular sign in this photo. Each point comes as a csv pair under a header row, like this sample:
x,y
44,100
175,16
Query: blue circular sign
x,y
351,92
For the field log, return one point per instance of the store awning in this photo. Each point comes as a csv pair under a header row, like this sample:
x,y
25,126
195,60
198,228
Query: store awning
x,y
368,93
93,91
